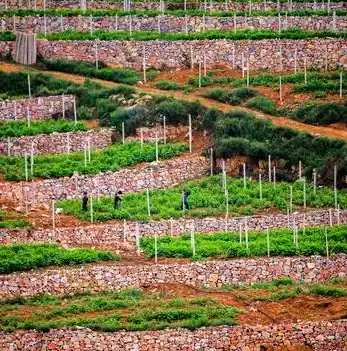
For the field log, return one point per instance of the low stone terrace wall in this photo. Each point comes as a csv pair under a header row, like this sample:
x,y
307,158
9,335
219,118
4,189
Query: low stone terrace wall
x,y
267,54
38,107
155,175
320,336
56,143
155,5
115,276
168,23
119,232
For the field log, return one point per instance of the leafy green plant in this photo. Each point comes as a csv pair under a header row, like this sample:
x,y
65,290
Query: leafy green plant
x,y
23,257
230,245
206,199
294,34
168,85
264,104
48,126
235,97
108,159
321,114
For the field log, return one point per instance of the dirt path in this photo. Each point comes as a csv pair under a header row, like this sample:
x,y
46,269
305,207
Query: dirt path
x,y
279,121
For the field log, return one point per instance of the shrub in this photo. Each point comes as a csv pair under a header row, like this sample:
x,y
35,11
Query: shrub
x,y
168,85
263,104
321,114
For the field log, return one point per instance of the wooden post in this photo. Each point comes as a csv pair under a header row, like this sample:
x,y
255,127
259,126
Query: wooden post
x,y
164,129
268,241
137,239
269,166
141,137
85,155
288,218
96,54
29,86
246,235
156,247
244,175
91,25
61,23
191,57
144,65
300,170
326,58
234,21
186,24
203,23
314,181
148,203
260,188
28,117
32,160
74,110
89,153
200,72
233,55
205,67
156,148
279,23
304,193
335,186
296,60
190,133
53,214
291,198
341,84
211,161
274,177
26,167
63,105
338,214
123,133
330,217
8,147
240,233
305,69
192,239
91,209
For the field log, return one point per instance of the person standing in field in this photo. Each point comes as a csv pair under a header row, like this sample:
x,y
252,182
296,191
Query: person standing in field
x,y
184,203
117,199
84,201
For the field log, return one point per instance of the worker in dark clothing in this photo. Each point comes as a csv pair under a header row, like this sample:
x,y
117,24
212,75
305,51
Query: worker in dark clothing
x,y
117,199
184,203
84,201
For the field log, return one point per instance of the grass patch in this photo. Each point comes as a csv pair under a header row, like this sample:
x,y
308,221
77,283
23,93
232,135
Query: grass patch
x,y
263,104
23,257
11,220
168,85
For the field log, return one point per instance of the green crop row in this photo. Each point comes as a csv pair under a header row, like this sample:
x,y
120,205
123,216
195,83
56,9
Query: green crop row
x,y
8,220
47,126
311,241
206,199
153,13
207,35
128,310
23,257
108,159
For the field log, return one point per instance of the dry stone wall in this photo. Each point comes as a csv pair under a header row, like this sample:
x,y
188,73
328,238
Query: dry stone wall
x,y
116,276
155,5
168,23
38,107
318,336
271,54
117,233
262,54
154,175
56,143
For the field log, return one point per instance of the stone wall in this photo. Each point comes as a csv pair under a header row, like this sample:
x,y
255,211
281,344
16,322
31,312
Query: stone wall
x,y
155,5
116,233
115,276
262,54
39,107
155,175
56,143
318,336
168,23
